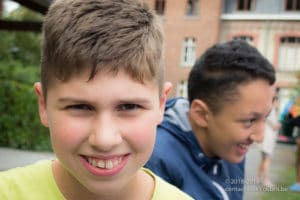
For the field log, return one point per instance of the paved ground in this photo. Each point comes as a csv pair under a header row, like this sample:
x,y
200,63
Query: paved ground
x,y
10,158
283,157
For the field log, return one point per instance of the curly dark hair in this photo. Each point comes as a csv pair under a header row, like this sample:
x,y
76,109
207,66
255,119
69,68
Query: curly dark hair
x,y
216,75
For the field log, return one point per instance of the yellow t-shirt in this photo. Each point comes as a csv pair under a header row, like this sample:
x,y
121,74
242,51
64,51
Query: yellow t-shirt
x,y
36,182
165,191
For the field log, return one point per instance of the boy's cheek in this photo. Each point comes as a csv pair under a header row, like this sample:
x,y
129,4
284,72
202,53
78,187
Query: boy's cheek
x,y
141,135
65,127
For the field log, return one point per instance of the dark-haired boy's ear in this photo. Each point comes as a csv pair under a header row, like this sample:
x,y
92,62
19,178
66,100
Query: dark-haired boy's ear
x,y
41,102
199,112
162,102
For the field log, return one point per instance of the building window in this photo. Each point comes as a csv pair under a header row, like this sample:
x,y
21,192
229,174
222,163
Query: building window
x,y
160,7
244,5
181,90
289,54
292,5
245,38
192,7
188,52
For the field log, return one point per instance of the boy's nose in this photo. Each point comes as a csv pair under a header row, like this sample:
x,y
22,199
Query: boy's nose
x,y
258,134
105,135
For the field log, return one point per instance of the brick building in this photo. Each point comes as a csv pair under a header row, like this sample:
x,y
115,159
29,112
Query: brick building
x,y
190,27
274,28
193,25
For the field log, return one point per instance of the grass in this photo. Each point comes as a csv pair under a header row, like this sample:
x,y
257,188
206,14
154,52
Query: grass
x,y
281,192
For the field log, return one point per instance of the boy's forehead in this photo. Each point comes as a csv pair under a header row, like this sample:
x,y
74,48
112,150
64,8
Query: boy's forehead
x,y
86,77
256,94
103,88
83,79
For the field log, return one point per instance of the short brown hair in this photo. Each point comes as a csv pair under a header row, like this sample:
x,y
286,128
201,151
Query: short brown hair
x,y
99,35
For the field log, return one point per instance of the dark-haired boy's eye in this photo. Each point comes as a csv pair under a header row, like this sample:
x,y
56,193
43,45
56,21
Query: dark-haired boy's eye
x,y
248,122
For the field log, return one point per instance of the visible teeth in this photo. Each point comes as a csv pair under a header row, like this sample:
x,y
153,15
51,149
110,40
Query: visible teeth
x,y
101,164
109,165
243,145
104,164
94,162
115,162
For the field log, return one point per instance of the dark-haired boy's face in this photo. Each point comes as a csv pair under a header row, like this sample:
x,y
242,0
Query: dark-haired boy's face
x,y
230,132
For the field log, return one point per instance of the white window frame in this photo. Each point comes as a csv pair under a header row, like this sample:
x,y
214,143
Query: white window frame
x,y
188,52
181,89
294,7
192,8
160,7
289,54
248,5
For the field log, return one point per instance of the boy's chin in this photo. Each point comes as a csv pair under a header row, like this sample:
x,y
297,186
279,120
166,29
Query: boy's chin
x,y
235,160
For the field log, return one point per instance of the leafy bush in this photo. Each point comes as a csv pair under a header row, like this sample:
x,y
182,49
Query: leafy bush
x,y
20,126
20,45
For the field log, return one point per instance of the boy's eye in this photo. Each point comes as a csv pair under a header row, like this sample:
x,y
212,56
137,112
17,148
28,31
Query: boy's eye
x,y
248,123
79,107
128,107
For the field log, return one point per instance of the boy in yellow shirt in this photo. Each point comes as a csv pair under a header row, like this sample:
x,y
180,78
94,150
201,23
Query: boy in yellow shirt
x,y
102,94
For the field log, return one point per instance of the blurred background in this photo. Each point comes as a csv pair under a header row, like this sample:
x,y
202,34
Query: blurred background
x,y
191,26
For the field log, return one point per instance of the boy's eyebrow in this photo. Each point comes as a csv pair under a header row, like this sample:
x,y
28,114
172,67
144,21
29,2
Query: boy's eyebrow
x,y
120,101
134,99
257,115
138,101
70,99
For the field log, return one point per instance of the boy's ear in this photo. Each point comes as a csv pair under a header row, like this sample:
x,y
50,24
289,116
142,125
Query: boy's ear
x,y
162,102
42,104
199,112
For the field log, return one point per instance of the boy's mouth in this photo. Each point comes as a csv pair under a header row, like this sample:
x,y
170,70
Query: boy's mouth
x,y
244,146
104,164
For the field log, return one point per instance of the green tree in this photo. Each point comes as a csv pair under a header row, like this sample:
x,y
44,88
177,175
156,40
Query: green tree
x,y
21,46
20,126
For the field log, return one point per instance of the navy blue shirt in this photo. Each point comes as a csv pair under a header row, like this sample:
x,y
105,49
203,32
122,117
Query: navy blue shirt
x,y
179,159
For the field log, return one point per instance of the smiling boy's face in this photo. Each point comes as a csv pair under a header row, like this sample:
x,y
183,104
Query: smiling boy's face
x,y
229,133
102,130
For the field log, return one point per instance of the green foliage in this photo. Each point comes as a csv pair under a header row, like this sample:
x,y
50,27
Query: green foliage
x,y
21,46
20,126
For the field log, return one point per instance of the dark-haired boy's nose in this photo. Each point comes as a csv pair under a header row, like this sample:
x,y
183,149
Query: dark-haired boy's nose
x,y
258,134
